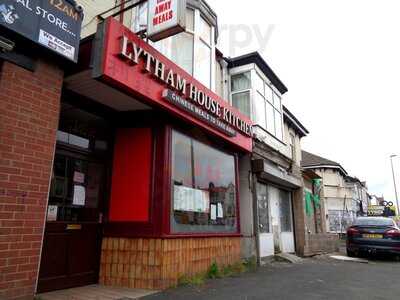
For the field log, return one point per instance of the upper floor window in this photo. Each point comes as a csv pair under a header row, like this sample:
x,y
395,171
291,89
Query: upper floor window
x,y
267,107
241,91
192,50
255,98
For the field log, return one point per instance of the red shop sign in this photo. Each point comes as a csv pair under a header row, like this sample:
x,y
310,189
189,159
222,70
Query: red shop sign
x,y
128,63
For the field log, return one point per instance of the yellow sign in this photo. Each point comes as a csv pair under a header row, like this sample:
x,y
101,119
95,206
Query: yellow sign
x,y
74,227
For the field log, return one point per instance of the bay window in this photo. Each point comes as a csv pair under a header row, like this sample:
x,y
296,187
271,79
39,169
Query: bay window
x,y
257,99
203,188
192,50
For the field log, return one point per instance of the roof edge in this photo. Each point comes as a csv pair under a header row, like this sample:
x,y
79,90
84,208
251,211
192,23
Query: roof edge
x,y
255,57
302,130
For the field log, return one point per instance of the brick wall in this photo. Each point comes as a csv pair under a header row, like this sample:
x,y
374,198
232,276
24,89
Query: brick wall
x,y
321,243
29,111
159,263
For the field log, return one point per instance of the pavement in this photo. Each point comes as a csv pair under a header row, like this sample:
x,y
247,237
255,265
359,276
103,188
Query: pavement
x,y
314,278
95,292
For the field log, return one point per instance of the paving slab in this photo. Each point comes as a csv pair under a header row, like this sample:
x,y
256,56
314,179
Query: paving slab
x,y
96,292
287,257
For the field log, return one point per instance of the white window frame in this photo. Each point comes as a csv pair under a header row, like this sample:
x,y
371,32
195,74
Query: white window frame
x,y
196,40
237,71
268,84
255,70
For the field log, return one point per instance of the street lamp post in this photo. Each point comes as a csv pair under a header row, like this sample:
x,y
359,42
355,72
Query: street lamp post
x,y
394,183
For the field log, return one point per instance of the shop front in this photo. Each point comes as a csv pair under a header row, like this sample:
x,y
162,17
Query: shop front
x,y
275,194
144,185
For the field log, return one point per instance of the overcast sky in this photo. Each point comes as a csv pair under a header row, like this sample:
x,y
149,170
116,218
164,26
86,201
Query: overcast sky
x,y
341,63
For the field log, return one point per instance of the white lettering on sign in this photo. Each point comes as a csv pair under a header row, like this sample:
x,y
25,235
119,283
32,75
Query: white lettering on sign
x,y
49,17
165,18
132,53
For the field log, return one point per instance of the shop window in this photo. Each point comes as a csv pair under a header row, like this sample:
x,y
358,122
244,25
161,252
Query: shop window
x,y
240,92
203,188
192,50
263,209
285,211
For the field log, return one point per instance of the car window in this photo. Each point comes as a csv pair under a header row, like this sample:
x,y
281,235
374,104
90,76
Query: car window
x,y
374,222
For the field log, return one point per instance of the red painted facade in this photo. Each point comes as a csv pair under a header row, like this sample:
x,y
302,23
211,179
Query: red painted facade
x,y
130,189
145,87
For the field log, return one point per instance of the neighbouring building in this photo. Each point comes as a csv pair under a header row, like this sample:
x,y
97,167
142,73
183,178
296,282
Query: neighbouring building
x,y
270,177
316,239
359,194
345,196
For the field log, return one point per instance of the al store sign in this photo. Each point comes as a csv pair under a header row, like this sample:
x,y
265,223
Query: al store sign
x,y
127,62
165,18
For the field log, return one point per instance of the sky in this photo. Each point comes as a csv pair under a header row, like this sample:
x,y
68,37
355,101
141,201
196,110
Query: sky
x,y
341,62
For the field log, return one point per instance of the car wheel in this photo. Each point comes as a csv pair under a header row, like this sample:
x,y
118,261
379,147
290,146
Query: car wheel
x,y
351,253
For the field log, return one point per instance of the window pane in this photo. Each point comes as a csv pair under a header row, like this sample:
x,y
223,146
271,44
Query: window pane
x,y
208,202
277,101
268,94
259,111
182,162
205,31
263,213
270,118
285,211
259,84
190,20
179,49
278,125
242,102
241,82
141,17
203,64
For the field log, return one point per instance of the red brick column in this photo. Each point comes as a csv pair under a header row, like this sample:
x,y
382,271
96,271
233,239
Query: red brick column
x,y
29,112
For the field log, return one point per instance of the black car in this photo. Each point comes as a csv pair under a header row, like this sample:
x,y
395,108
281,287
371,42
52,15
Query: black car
x,y
373,235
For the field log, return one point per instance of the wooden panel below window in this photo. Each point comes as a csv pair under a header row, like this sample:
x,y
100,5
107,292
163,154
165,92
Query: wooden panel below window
x,y
159,263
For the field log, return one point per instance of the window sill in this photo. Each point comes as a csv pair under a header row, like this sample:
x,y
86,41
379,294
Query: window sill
x,y
271,135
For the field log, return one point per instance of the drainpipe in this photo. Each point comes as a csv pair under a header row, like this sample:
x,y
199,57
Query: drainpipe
x,y
253,187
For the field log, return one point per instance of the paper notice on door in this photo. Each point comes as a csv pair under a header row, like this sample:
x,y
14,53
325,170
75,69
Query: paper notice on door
x,y
220,211
79,177
52,213
79,195
213,212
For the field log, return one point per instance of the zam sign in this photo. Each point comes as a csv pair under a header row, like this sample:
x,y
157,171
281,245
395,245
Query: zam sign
x,y
127,63
215,113
54,24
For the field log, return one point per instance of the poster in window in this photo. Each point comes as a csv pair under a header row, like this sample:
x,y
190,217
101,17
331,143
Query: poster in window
x,y
213,212
52,211
79,177
220,211
79,195
189,199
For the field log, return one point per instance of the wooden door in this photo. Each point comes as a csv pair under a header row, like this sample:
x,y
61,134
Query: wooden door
x,y
72,240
